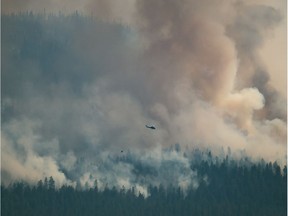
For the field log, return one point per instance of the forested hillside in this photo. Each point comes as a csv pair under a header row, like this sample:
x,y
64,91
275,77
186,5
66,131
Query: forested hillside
x,y
228,189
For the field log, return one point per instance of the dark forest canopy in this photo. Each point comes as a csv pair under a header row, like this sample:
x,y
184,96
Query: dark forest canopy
x,y
229,190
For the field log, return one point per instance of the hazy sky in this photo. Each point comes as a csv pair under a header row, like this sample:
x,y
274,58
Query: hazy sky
x,y
208,74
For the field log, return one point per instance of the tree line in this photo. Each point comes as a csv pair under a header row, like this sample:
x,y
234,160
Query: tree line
x,y
229,189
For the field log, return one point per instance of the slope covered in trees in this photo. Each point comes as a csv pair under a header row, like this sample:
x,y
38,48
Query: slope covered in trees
x,y
229,189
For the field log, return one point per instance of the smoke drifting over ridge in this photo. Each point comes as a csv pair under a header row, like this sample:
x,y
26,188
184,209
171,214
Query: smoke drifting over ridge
x,y
190,67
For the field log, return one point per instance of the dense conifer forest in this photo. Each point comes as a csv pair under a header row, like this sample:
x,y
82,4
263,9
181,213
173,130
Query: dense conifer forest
x,y
230,189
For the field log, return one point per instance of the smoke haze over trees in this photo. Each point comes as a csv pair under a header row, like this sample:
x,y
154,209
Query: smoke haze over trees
x,y
77,91
232,189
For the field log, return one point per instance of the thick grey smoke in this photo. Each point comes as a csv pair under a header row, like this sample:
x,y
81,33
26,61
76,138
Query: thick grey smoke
x,y
190,67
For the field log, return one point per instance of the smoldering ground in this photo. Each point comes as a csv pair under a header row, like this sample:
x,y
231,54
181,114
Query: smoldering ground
x,y
76,92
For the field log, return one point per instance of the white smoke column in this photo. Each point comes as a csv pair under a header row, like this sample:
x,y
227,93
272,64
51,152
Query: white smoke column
x,y
191,67
241,106
187,42
200,58
20,159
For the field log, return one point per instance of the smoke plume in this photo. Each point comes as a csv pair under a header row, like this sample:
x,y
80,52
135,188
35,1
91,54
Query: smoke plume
x,y
76,96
